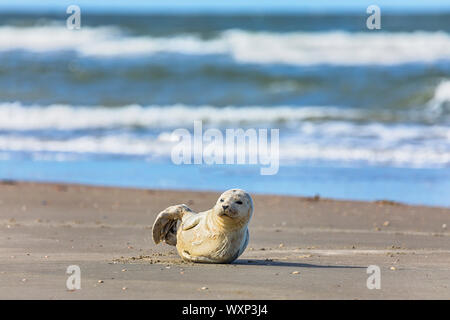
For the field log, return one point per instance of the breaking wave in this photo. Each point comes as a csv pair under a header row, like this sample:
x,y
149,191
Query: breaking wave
x,y
297,48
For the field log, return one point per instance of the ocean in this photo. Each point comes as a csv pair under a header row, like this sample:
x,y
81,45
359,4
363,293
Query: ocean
x,y
362,114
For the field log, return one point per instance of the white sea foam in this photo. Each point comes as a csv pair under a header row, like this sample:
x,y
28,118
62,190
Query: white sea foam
x,y
440,104
339,138
310,133
443,91
404,156
300,48
111,144
100,41
292,150
339,48
15,116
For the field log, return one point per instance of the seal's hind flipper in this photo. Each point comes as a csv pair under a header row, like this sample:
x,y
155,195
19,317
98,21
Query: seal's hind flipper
x,y
166,224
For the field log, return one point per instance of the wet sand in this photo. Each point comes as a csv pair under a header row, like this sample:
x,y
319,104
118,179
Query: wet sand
x,y
300,248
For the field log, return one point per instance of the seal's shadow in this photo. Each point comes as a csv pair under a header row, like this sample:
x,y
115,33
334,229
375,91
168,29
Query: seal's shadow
x,y
273,263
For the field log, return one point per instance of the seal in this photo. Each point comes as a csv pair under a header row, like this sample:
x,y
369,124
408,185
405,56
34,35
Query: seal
x,y
218,235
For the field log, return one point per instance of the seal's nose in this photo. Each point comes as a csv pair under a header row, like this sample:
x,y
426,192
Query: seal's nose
x,y
225,207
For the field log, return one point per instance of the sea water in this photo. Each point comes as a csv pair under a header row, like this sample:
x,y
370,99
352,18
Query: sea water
x,y
362,114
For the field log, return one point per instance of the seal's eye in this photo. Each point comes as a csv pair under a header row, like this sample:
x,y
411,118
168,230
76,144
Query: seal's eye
x,y
239,202
221,200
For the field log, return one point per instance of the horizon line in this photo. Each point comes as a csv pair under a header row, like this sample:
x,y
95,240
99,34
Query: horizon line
x,y
42,9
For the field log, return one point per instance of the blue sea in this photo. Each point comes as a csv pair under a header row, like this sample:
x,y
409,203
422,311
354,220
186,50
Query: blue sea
x,y
362,114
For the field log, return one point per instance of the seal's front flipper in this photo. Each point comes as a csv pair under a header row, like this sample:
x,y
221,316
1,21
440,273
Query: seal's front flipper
x,y
192,221
166,224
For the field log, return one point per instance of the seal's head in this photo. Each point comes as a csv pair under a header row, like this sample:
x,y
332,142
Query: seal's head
x,y
234,204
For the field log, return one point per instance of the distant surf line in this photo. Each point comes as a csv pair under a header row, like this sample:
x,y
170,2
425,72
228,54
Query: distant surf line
x,y
296,48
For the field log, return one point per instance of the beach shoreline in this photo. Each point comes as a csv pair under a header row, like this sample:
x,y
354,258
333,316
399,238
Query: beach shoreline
x,y
300,248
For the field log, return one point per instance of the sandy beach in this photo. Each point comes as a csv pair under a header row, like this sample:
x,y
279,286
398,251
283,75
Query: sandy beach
x,y
300,248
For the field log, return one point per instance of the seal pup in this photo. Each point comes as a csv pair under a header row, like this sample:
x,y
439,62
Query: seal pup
x,y
218,235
